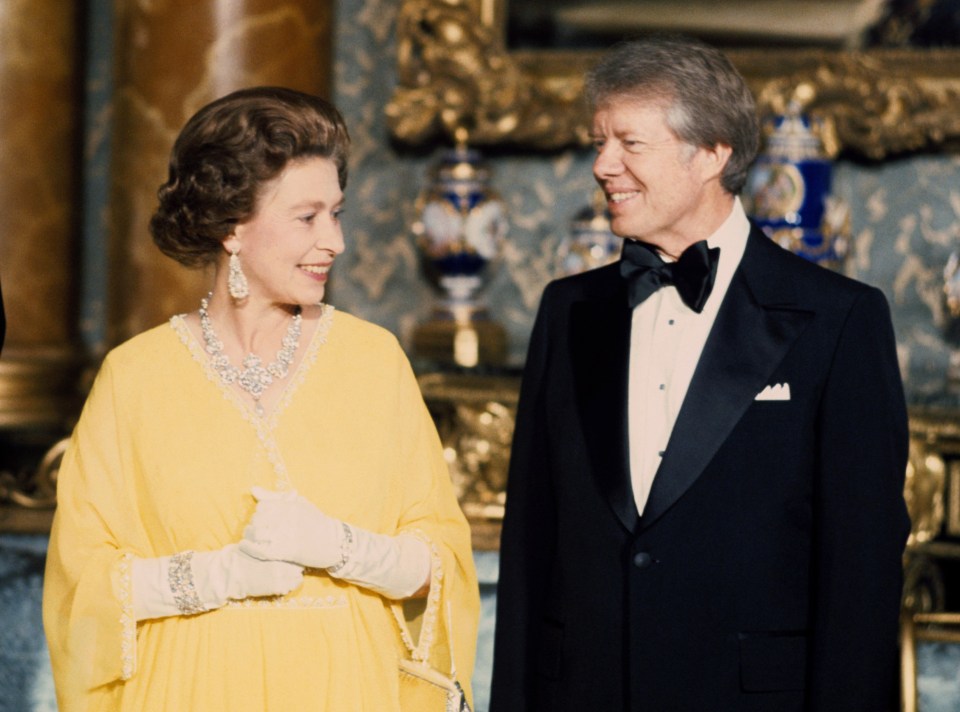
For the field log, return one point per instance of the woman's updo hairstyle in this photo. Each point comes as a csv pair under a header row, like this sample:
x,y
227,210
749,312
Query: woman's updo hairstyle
x,y
224,155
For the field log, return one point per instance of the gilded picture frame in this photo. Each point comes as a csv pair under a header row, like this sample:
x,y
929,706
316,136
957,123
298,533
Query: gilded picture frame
x,y
456,75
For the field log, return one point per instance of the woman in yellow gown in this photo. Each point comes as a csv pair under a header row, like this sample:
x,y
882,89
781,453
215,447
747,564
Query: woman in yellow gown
x,y
254,487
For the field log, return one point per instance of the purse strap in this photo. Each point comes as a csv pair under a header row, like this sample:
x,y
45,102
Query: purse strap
x,y
420,651
408,639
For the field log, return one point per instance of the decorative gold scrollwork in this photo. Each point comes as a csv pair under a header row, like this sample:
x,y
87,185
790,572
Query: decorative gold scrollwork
x,y
455,71
924,492
475,418
36,489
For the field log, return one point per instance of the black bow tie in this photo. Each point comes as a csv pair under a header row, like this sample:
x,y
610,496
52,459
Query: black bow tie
x,y
692,274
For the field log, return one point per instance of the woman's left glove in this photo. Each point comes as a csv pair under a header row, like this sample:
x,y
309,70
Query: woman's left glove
x,y
288,527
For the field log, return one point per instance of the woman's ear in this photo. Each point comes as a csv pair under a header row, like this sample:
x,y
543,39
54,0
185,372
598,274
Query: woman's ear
x,y
231,243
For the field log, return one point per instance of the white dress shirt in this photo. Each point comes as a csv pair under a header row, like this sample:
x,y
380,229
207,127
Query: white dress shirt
x,y
666,340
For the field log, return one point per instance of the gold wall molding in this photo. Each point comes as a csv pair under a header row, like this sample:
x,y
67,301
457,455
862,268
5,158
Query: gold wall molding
x,y
454,70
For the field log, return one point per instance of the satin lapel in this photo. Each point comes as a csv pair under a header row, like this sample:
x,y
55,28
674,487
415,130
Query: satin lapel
x,y
600,345
747,342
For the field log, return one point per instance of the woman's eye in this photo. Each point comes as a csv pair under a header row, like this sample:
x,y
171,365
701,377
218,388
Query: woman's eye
x,y
308,218
337,214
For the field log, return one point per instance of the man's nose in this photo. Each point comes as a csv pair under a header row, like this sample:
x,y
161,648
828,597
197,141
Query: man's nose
x,y
607,162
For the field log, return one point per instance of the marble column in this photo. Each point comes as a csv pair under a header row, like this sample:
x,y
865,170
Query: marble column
x,y
40,118
171,59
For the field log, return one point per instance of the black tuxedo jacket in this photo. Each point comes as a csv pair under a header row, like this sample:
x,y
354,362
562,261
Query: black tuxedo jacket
x,y
765,572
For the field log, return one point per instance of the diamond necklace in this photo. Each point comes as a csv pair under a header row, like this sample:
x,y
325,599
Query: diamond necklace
x,y
255,377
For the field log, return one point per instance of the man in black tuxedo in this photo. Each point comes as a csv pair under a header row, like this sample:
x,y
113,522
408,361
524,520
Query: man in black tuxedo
x,y
705,508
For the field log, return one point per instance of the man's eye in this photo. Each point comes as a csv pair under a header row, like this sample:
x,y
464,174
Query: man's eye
x,y
308,218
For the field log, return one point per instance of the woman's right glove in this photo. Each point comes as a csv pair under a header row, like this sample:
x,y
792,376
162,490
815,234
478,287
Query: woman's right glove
x,y
193,582
288,527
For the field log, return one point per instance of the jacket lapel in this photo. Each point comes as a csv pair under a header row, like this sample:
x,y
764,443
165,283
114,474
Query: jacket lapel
x,y
754,329
600,349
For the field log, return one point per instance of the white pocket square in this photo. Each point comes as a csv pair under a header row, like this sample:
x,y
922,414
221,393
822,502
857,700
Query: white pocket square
x,y
776,392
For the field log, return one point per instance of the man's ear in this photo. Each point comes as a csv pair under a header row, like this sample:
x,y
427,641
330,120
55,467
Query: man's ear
x,y
714,160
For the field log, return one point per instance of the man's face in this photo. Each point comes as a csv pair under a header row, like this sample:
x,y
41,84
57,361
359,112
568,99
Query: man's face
x,y
653,181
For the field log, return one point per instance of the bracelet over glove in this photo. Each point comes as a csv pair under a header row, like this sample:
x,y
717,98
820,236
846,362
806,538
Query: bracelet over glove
x,y
288,527
192,582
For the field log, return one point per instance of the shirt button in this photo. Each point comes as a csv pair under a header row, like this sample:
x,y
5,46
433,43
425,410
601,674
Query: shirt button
x,y
671,322
661,452
663,386
642,560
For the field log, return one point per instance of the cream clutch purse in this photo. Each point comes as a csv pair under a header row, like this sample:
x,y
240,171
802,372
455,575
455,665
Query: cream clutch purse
x,y
426,689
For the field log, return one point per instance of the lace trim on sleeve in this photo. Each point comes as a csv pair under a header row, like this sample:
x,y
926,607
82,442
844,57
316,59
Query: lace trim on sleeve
x,y
128,622
428,631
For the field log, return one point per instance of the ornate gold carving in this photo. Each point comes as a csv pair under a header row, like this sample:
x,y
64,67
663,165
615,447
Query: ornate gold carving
x,y
455,71
28,497
924,491
37,489
933,471
475,418
933,501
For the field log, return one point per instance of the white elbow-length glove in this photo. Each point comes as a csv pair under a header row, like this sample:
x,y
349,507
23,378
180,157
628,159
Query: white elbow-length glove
x,y
197,581
288,527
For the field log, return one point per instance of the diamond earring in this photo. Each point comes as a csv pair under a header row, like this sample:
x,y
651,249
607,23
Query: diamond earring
x,y
237,280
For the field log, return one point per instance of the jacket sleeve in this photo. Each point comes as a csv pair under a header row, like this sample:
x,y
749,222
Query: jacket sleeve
x,y
861,522
528,538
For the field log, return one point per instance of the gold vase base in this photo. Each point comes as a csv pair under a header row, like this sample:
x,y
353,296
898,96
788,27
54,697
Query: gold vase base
x,y
464,339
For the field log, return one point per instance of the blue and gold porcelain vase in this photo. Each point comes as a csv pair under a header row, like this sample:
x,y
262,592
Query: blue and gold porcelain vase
x,y
788,193
460,231
590,243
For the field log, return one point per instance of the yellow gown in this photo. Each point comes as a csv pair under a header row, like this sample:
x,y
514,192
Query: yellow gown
x,y
162,460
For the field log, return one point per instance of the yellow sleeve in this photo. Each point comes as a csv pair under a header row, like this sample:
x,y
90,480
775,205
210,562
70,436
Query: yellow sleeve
x,y
433,513
87,597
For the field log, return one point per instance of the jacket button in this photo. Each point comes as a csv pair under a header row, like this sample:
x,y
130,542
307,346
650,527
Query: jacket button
x,y
642,560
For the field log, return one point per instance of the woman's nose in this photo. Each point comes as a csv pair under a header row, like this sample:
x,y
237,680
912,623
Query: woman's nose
x,y
332,240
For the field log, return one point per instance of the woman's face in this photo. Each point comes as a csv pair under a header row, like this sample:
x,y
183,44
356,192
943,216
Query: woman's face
x,y
290,243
